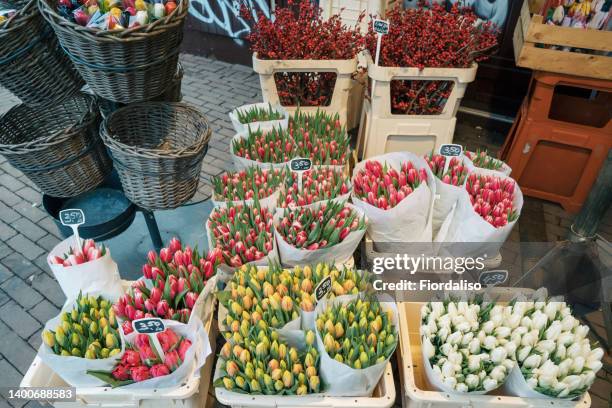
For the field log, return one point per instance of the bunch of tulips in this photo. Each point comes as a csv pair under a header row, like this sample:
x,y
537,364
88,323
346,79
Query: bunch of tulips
x,y
456,173
317,185
359,333
178,275
322,227
383,186
259,114
263,364
319,137
142,361
252,183
243,233
491,198
89,330
481,159
89,252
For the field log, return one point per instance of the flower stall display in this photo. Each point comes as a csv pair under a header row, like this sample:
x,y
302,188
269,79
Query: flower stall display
x,y
318,184
438,38
449,186
248,185
555,359
115,14
262,116
482,160
327,232
318,136
584,14
466,345
175,283
180,353
304,60
84,336
87,269
356,336
242,233
396,192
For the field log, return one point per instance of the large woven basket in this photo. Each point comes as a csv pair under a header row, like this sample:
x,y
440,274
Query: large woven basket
x,y
57,147
32,65
124,66
157,149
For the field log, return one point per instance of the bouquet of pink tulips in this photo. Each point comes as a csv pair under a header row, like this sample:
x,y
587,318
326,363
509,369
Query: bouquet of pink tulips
x,y
456,173
88,252
492,198
384,187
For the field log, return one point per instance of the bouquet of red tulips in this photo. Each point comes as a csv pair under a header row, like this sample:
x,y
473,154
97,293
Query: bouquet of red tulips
x,y
242,233
319,137
89,252
178,276
395,191
482,160
455,174
491,197
319,184
253,183
327,232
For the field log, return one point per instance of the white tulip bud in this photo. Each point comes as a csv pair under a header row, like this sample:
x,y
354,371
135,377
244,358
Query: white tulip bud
x,y
446,349
451,308
565,311
528,340
488,327
489,342
498,354
509,364
549,369
437,371
498,373
443,333
532,361
539,305
565,338
573,382
451,382
462,306
546,381
455,358
560,352
594,365
482,375
513,321
461,387
472,381
532,382
595,354
510,348
523,353
428,349
467,338
489,384
538,320
437,307
474,346
577,365
463,327
546,345
521,330
444,321
588,378
448,369
564,367
526,322
474,362
503,332
564,393
567,324
574,350
481,335
454,338
551,310
497,319
581,332
553,331
425,310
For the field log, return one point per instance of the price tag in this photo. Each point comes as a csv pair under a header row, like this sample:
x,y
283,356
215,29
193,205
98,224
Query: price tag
x,y
323,288
381,27
448,151
493,278
299,165
73,218
151,326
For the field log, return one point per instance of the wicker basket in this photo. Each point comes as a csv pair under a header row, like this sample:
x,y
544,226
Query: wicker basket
x,y
172,94
32,65
157,149
58,147
126,66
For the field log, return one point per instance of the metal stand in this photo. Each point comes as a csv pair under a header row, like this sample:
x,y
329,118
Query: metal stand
x,y
153,229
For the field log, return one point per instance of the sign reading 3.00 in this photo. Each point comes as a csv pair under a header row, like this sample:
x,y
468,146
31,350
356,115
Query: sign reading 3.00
x,y
73,216
148,325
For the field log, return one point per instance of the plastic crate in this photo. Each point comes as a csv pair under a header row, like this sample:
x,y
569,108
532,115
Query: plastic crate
x,y
417,393
343,69
383,397
192,394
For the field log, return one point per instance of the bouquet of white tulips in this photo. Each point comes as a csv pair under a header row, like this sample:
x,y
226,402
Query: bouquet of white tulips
x,y
467,345
555,358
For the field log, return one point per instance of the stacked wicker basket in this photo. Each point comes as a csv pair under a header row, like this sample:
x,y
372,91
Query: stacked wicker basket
x,y
156,147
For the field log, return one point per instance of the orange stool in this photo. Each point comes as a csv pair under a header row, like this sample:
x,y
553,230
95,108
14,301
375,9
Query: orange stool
x,y
561,138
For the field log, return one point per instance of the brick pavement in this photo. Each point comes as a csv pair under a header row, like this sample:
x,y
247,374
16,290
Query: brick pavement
x,y
29,295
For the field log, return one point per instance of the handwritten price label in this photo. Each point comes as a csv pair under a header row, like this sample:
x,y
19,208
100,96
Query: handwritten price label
x,y
148,325
381,26
492,278
323,288
301,164
73,216
451,150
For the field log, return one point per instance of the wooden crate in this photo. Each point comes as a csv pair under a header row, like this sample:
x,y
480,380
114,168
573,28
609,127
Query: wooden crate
x,y
531,30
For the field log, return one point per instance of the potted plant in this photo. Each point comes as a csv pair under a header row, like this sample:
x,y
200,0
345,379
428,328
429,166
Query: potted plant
x,y
304,60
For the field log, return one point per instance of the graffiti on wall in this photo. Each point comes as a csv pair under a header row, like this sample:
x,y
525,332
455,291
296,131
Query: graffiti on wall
x,y
223,16
495,11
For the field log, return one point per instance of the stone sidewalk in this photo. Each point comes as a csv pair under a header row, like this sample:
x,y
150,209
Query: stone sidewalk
x,y
29,295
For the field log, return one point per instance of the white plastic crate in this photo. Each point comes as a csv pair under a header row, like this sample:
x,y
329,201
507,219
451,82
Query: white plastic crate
x,y
383,397
191,394
344,70
416,134
417,393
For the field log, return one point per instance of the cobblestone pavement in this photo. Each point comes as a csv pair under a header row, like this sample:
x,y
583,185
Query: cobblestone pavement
x,y
29,295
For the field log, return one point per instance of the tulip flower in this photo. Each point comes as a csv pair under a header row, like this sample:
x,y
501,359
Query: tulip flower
x,y
248,184
318,184
455,174
259,114
87,253
384,187
159,370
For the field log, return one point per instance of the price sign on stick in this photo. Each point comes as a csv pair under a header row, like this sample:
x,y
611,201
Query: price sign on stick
x,y
323,288
381,27
300,165
73,218
151,326
492,278
449,151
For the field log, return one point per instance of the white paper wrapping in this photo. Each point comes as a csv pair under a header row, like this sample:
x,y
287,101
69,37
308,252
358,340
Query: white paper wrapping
x,y
338,253
94,276
411,219
195,357
465,225
73,369
264,125
342,380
